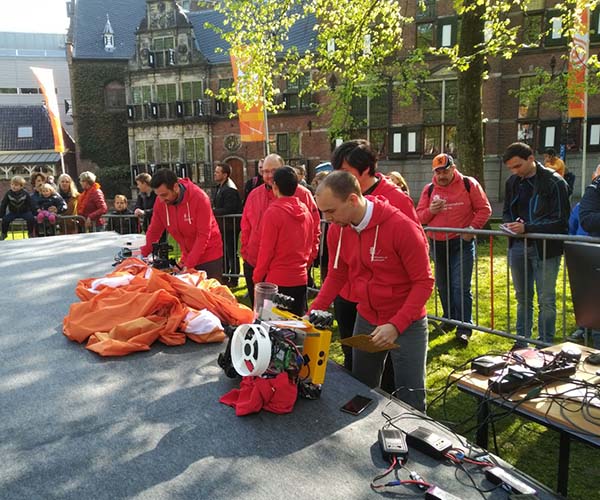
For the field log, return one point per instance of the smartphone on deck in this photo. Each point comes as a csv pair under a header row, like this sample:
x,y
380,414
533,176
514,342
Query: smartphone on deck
x,y
356,405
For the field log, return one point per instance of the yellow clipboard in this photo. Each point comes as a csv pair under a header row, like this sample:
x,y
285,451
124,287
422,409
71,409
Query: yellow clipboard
x,y
365,343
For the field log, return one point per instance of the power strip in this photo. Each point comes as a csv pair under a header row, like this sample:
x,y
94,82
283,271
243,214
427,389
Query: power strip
x,y
428,442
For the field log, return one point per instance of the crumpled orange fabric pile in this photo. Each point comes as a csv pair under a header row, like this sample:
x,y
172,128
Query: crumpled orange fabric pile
x,y
135,305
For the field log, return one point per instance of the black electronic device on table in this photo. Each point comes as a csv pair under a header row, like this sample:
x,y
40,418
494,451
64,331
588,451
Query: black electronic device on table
x,y
428,442
356,405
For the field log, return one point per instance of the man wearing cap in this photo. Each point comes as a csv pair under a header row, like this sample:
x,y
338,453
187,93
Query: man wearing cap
x,y
457,201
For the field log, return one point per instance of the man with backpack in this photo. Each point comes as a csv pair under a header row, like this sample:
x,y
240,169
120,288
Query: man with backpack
x,y
457,201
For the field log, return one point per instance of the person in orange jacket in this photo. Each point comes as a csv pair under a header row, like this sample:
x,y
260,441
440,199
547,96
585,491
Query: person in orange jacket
x,y
453,200
256,205
286,243
184,210
384,255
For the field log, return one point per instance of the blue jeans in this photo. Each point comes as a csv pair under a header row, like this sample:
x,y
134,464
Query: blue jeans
x,y
453,270
527,268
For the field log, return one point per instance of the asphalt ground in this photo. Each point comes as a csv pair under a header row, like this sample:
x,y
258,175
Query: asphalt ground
x,y
74,425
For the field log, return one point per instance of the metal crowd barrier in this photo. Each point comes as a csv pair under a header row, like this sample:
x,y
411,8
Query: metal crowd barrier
x,y
501,281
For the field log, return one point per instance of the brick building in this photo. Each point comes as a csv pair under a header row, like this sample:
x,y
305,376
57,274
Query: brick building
x,y
139,70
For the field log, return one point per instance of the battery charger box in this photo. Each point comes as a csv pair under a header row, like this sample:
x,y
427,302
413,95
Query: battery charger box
x,y
428,442
486,365
392,443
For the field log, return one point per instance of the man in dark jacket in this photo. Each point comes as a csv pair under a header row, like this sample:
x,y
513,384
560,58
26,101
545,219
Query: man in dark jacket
x,y
227,201
536,201
589,208
144,204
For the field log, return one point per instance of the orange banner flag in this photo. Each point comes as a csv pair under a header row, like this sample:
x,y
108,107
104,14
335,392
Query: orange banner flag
x,y
46,79
577,67
252,116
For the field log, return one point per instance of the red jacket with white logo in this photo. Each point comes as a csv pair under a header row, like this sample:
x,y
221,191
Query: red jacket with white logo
x,y
256,205
463,208
387,264
397,198
191,223
286,243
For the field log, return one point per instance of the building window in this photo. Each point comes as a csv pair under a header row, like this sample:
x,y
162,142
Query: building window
x,y
164,51
29,90
371,117
140,98
166,95
404,141
527,107
286,145
169,150
224,106
532,29
190,93
195,150
425,9
595,25
439,115
144,152
24,132
292,98
441,33
8,90
526,133
114,96
425,35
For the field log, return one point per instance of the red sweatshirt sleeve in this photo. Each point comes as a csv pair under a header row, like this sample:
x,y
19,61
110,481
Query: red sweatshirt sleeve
x,y
201,212
482,209
266,251
246,224
423,212
413,251
336,277
156,228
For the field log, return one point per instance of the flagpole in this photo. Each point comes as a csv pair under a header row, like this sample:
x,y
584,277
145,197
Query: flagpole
x,y
62,162
266,129
584,152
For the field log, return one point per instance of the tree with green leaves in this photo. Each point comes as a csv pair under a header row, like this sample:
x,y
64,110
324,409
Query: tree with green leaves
x,y
358,49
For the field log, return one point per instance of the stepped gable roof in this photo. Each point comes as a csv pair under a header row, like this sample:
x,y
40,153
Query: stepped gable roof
x,y
127,16
36,117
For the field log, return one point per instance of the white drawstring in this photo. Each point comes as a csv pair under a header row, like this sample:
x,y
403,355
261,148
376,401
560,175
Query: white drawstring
x,y
337,252
374,243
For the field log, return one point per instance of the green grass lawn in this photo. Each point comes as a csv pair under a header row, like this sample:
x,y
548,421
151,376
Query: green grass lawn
x,y
528,446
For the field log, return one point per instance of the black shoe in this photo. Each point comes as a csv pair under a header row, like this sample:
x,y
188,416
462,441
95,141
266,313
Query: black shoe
x,y
578,334
463,338
448,327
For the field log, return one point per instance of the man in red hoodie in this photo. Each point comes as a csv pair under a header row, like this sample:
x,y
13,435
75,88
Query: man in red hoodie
x,y
453,200
358,157
286,242
256,205
184,210
384,255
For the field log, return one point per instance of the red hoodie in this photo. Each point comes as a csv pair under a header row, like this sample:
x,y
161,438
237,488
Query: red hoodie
x,y
256,205
191,223
387,264
286,243
462,209
397,198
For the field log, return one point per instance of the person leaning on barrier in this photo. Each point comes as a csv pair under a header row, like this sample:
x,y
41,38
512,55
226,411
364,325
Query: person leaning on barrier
x,y
144,203
227,201
536,201
16,204
256,205
384,255
453,200
91,203
286,241
360,159
68,191
184,210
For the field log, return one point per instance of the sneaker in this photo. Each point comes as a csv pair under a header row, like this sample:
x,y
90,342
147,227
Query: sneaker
x,y
463,339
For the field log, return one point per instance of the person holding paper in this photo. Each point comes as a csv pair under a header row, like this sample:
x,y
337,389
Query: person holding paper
x,y
384,254
536,201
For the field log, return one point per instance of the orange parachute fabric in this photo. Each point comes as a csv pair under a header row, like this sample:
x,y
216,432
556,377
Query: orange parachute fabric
x,y
129,309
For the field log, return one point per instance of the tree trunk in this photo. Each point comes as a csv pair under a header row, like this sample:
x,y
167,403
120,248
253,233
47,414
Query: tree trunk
x,y
469,129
